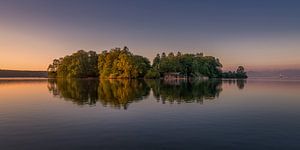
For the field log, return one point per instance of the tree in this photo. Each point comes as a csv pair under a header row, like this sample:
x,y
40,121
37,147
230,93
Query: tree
x,y
92,64
156,62
152,74
163,55
178,54
189,65
79,65
240,69
239,74
140,65
121,63
52,68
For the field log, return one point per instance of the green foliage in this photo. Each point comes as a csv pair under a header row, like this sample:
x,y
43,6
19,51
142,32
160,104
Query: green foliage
x,y
52,74
79,65
156,62
240,73
152,74
52,68
119,63
188,65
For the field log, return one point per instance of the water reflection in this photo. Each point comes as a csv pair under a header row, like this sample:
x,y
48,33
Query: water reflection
x,y
185,91
113,93
121,93
79,91
240,83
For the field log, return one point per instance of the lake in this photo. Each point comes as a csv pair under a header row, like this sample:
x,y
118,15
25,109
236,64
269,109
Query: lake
x,y
149,114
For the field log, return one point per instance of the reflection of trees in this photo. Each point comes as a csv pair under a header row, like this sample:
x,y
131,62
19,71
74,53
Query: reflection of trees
x,y
79,91
185,91
114,93
240,83
120,93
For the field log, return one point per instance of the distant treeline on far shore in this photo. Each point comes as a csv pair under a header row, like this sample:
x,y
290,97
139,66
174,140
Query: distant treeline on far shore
x,y
122,64
20,73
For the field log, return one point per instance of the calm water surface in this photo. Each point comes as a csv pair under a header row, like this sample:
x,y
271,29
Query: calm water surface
x,y
118,114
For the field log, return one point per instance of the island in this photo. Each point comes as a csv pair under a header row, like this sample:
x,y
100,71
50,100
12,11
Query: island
x,y
122,64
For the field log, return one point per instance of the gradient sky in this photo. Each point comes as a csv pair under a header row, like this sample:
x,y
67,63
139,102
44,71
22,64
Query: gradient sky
x,y
259,34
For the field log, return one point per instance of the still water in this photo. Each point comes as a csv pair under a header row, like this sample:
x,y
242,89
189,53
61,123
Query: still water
x,y
149,114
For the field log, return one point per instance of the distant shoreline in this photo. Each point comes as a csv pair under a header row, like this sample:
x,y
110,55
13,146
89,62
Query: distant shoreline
x,y
43,74
23,74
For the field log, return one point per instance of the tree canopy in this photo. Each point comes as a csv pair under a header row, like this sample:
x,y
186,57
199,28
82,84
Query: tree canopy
x,y
122,64
188,65
239,73
78,65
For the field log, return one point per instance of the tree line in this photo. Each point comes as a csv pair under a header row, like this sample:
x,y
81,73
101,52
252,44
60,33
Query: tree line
x,y
20,73
122,64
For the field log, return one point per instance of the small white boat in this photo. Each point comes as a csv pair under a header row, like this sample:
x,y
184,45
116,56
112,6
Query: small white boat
x,y
281,76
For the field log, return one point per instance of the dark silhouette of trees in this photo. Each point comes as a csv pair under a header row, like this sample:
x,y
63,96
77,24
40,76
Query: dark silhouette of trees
x,y
240,73
240,83
20,73
52,68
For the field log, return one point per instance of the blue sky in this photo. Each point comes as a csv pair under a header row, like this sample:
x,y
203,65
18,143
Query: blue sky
x,y
260,34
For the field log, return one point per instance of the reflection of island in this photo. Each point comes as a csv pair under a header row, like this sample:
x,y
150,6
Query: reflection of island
x,y
79,91
113,93
121,93
185,91
240,83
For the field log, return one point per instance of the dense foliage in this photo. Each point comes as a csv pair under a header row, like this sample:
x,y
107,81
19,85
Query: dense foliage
x,y
188,65
78,65
119,63
240,73
122,64
152,74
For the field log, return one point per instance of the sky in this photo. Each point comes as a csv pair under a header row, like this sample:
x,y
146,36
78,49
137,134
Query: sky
x,y
258,34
